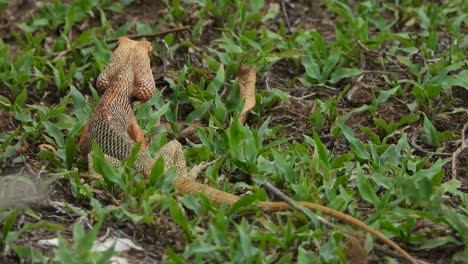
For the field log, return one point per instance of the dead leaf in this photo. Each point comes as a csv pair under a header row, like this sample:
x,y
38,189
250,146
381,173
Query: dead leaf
x,y
53,242
247,78
23,147
120,244
48,147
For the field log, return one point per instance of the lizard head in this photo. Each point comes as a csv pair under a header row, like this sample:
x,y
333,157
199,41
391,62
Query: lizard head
x,y
144,86
127,43
131,58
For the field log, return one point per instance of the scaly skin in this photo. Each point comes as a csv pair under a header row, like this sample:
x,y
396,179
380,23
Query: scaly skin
x,y
114,128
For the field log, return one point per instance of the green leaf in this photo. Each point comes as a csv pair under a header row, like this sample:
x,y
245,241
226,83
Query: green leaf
x,y
220,111
192,203
30,254
198,113
218,81
457,222
136,218
356,145
437,242
85,241
42,224
157,171
123,30
81,108
55,132
131,159
385,94
21,98
70,151
284,167
105,256
103,167
247,249
179,217
330,62
176,259
460,79
312,68
244,201
414,68
7,223
365,188
432,136
143,28
5,101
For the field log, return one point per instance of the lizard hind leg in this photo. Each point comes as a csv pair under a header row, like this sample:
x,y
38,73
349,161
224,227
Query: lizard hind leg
x,y
173,156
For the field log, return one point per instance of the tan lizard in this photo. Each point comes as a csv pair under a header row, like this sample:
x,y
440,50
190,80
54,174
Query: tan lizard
x,y
114,128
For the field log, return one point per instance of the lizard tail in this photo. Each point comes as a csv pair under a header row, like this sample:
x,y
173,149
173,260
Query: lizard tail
x,y
186,185
280,206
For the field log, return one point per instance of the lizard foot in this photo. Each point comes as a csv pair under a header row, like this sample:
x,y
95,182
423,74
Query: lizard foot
x,y
197,169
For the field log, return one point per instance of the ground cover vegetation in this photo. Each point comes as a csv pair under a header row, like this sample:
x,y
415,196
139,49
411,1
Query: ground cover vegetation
x,y
360,106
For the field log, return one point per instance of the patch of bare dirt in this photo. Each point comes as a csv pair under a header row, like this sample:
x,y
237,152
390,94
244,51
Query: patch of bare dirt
x,y
6,121
142,11
14,13
309,15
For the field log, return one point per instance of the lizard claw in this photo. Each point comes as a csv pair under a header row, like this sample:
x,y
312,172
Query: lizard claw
x,y
197,169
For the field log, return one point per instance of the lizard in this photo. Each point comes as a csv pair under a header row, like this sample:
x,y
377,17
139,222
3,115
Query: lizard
x,y
114,128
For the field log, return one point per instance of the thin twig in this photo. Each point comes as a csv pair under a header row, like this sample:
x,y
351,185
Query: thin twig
x,y
463,146
135,36
325,86
328,224
418,147
293,204
285,14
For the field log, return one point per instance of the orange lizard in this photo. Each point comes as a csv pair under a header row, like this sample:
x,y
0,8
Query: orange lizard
x,y
114,128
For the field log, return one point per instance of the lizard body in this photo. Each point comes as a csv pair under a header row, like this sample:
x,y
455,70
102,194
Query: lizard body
x,y
113,126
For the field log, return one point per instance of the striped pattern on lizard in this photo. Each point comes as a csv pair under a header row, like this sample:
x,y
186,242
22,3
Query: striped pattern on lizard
x,y
114,128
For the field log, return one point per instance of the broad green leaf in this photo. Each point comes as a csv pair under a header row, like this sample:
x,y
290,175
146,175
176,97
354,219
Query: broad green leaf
x,y
356,145
344,73
432,136
460,79
30,254
102,167
70,151
312,68
437,242
179,217
198,113
143,28
21,98
365,188
244,201
157,171
217,81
